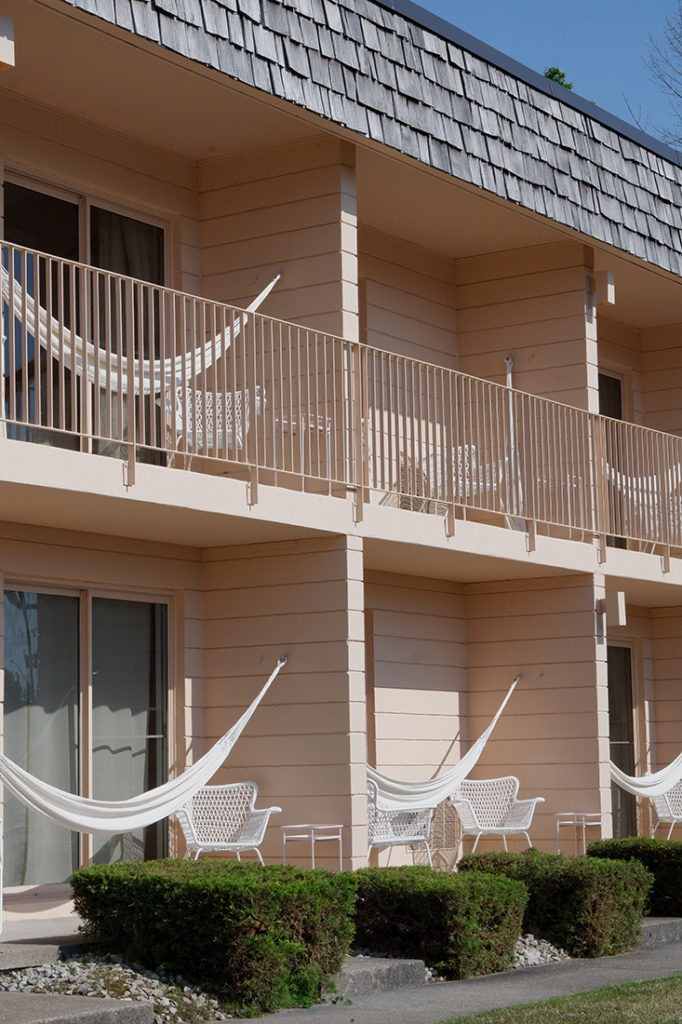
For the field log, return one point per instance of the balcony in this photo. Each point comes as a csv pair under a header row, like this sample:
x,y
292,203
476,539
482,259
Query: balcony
x,y
114,366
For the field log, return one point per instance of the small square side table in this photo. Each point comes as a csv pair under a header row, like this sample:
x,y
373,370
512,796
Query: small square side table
x,y
580,821
313,834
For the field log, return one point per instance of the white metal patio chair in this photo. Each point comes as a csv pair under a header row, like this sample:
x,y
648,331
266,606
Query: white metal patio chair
x,y
211,422
389,828
223,819
668,807
489,807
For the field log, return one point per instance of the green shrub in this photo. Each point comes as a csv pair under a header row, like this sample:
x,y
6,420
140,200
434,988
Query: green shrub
x,y
259,938
462,926
662,857
590,907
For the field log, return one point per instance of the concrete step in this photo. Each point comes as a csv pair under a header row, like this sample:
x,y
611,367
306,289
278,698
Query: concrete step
x,y
661,929
363,975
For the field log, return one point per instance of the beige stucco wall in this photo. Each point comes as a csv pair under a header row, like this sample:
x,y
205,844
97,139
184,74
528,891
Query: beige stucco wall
x,y
55,150
666,629
620,355
662,378
408,299
418,672
532,304
305,747
290,210
554,733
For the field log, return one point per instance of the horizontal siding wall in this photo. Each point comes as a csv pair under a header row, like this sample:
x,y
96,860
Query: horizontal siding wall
x,y
53,559
553,734
305,746
419,675
409,300
57,150
666,627
529,304
662,378
620,355
290,210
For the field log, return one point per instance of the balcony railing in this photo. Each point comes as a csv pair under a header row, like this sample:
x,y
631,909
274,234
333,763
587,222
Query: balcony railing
x,y
115,366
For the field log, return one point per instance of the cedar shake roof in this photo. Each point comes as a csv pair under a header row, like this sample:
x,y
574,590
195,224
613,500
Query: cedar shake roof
x,y
392,72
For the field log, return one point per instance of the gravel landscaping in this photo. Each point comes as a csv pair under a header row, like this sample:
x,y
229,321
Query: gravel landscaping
x,y
175,1000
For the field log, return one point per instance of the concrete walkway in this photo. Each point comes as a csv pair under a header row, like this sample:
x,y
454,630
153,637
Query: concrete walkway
x,y
437,1002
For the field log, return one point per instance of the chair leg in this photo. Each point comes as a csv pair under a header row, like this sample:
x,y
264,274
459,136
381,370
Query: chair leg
x,y
390,851
672,826
504,840
428,853
478,836
527,838
258,854
238,855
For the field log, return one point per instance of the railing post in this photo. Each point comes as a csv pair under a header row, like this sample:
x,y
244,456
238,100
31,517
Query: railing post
x,y
130,419
528,469
86,389
598,473
357,391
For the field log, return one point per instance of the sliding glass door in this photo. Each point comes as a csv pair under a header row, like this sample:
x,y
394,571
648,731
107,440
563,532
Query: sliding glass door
x,y
51,703
129,722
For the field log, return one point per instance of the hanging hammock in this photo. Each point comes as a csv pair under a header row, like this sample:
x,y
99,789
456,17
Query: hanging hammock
x,y
655,784
108,369
395,795
81,814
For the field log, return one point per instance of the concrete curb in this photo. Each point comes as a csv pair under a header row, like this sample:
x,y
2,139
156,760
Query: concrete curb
x,y
25,1008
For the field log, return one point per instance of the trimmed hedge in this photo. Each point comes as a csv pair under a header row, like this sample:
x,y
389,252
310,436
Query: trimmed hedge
x,y
258,938
662,857
589,907
462,926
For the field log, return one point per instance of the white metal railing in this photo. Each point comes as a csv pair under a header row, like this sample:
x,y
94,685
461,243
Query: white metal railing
x,y
116,366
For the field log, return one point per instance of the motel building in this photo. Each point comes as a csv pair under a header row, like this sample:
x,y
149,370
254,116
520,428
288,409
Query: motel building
x,y
444,447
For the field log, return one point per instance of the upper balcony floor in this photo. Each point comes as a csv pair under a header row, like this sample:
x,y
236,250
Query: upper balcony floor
x,y
428,347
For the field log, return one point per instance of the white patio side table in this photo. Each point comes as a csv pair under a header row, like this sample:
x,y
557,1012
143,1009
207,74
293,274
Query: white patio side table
x,y
312,834
580,821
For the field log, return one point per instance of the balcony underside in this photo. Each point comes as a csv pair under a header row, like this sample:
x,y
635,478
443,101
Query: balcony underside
x,y
83,493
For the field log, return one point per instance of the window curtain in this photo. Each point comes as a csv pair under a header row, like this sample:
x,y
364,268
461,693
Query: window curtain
x,y
129,686
40,728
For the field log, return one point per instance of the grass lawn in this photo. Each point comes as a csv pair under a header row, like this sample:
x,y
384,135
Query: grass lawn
x,y
638,1002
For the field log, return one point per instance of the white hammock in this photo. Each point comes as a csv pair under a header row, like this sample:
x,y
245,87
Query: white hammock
x,y
108,369
395,795
652,785
81,814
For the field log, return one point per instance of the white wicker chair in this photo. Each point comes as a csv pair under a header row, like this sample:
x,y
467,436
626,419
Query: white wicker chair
x,y
668,807
222,819
389,828
489,807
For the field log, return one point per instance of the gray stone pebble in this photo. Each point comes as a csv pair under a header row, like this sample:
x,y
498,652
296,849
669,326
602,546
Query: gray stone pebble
x,y
174,1000
531,952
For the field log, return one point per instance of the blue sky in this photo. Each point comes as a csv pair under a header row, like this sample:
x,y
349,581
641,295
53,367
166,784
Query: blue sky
x,y
600,44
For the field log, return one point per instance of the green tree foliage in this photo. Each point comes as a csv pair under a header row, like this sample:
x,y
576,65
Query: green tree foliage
x,y
559,76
